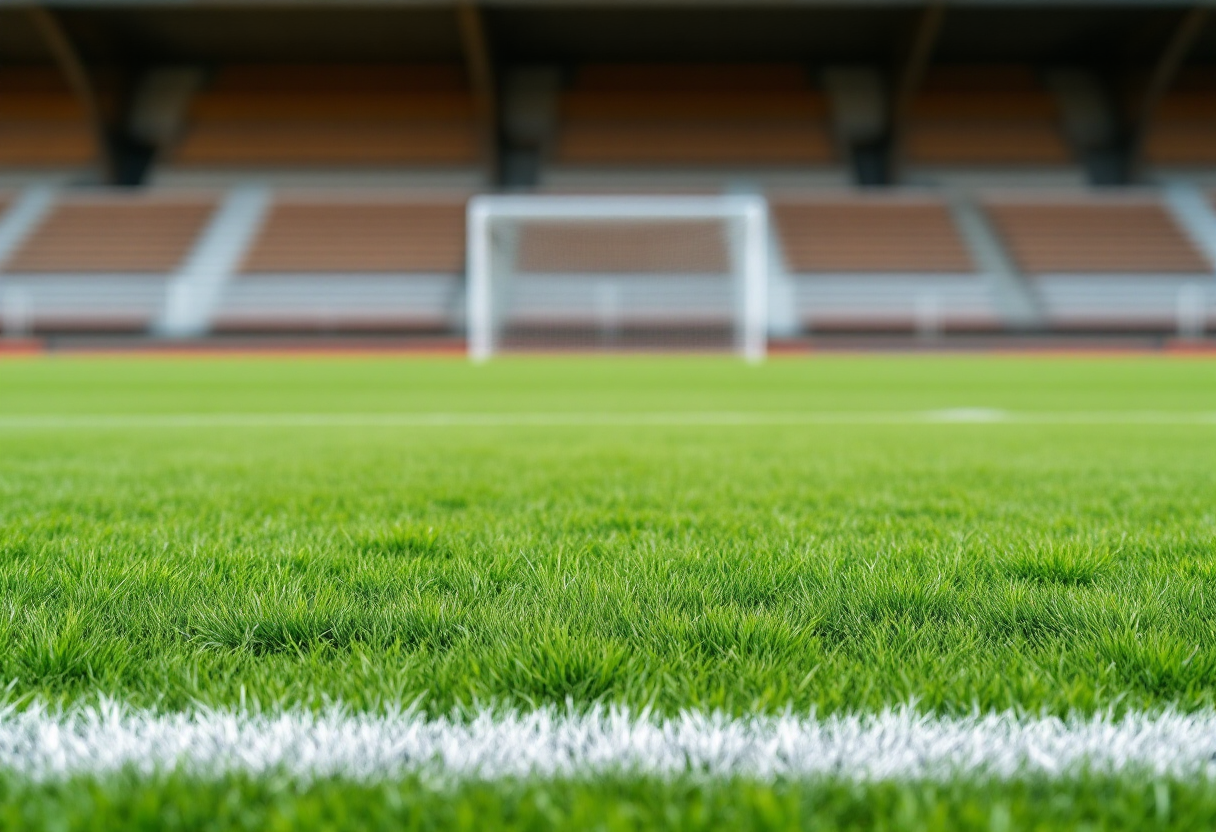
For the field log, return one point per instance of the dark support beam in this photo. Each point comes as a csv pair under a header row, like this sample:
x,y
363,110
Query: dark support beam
x,y
121,158
479,63
1159,82
909,77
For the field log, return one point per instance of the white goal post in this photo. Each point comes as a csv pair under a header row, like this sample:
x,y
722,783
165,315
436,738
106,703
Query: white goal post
x,y
617,272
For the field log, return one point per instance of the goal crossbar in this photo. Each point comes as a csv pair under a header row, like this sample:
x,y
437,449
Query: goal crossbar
x,y
750,211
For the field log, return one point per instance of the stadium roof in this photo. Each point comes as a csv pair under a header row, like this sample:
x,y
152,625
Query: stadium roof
x,y
1094,32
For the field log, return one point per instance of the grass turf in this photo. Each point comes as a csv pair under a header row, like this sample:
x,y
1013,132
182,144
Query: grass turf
x,y
616,804
839,566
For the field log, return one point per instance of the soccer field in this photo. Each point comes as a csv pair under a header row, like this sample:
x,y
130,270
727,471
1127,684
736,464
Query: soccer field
x,y
855,592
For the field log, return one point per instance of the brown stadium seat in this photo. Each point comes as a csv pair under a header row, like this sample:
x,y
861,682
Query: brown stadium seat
x,y
42,124
668,247
350,262
693,115
1129,235
878,263
337,236
1184,126
332,116
968,115
113,234
869,234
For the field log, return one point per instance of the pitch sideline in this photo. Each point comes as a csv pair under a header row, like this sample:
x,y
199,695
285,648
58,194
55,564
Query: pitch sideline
x,y
898,744
979,416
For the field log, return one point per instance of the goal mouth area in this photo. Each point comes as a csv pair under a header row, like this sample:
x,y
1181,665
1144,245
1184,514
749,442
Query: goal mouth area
x,y
617,273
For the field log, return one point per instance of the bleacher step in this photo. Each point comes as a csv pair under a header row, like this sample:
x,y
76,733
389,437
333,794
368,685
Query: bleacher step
x,y
195,291
1011,294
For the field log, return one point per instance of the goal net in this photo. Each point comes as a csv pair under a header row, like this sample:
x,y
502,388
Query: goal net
x,y
617,273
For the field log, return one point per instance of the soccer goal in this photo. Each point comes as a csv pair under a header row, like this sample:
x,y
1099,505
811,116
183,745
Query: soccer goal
x,y
617,273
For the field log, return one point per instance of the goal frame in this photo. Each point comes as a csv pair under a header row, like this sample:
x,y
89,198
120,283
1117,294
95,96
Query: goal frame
x,y
750,210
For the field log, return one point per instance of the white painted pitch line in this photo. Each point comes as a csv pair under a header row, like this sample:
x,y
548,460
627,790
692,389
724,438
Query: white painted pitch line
x,y
588,419
894,745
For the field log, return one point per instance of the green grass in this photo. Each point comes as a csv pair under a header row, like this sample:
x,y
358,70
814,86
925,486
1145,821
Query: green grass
x,y
843,567
238,803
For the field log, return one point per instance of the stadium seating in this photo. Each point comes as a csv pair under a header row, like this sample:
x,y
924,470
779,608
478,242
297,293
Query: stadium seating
x,y
43,126
879,262
687,117
340,262
1107,235
101,261
1183,133
869,234
328,235
310,172
998,121
374,117
689,247
393,261
1109,261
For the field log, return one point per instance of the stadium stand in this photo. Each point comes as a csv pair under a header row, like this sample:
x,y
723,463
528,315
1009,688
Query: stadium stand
x,y
1104,235
1109,261
975,215
43,128
985,122
869,234
329,235
101,261
379,118
1183,133
879,262
113,234
687,117
688,247
342,262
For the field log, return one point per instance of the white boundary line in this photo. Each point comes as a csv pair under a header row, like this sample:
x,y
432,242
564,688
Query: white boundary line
x,y
980,416
893,745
